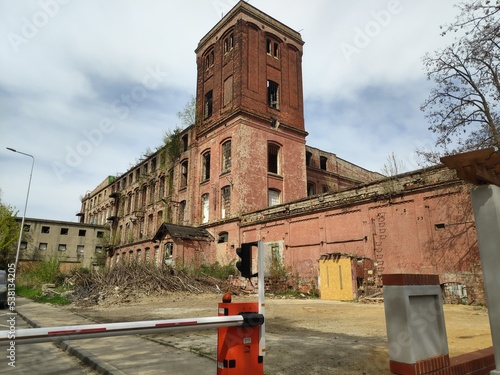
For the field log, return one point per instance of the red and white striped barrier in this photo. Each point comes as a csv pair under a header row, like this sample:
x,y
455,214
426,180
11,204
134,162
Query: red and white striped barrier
x,y
75,332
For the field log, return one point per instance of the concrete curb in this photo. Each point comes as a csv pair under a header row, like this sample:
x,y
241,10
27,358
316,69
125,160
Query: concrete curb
x,y
87,358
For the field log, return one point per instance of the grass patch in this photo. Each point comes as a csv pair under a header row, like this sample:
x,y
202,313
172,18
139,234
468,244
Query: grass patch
x,y
38,296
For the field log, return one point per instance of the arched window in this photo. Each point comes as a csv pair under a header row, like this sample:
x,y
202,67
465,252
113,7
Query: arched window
x,y
226,156
273,151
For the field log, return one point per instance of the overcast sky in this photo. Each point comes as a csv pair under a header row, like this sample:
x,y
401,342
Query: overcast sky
x,y
86,87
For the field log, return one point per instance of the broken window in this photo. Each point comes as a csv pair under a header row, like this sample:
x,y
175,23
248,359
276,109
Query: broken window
x,y
273,158
272,94
229,43
223,237
311,189
100,234
226,201
82,233
226,156
309,159
45,229
439,226
209,59
205,171
274,197
184,173
208,104
184,142
322,162
272,48
205,208
64,231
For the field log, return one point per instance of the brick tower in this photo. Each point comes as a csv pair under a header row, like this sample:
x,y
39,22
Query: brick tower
x,y
250,135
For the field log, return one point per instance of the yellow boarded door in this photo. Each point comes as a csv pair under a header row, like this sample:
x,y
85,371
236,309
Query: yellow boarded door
x,y
335,279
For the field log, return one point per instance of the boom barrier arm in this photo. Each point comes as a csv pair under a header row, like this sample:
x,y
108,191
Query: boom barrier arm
x,y
75,332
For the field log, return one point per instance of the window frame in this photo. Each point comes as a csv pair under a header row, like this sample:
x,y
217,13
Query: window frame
x,y
226,152
273,158
273,97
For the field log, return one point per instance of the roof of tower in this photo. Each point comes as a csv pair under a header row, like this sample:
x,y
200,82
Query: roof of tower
x,y
242,7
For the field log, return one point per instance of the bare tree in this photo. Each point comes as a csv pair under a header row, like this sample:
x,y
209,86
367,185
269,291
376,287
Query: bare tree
x,y
394,166
188,113
463,107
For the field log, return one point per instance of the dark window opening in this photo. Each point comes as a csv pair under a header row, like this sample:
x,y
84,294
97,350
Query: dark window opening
x,y
100,234
322,162
82,232
45,229
208,104
64,231
228,43
184,142
309,158
223,237
206,166
272,158
275,50
439,226
272,94
311,189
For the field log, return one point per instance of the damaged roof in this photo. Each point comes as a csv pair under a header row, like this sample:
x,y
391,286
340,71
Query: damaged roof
x,y
182,232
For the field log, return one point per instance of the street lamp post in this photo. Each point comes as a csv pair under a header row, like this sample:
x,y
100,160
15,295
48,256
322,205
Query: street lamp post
x,y
25,204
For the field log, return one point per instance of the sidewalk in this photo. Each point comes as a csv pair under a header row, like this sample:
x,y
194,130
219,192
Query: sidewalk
x,y
116,355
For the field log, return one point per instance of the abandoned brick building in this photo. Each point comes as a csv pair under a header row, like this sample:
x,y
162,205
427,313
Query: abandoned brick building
x,y
243,173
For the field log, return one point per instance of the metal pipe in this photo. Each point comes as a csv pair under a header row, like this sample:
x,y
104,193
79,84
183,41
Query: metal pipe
x,y
25,204
76,332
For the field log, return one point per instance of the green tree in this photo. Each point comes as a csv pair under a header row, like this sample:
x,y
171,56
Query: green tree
x,y
463,107
9,235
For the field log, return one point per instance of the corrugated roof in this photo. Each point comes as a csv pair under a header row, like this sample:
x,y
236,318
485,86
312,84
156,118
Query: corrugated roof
x,y
182,232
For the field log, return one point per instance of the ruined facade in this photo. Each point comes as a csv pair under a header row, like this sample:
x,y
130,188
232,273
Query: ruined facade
x,y
243,173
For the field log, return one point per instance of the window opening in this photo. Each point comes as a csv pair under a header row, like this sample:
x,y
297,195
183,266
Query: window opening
x,y
226,156
226,201
208,104
223,237
272,94
274,197
309,159
82,233
205,208
184,173
45,229
322,162
64,231
272,158
206,166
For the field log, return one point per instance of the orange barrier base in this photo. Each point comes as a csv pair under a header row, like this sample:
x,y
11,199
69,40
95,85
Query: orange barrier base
x,y
238,347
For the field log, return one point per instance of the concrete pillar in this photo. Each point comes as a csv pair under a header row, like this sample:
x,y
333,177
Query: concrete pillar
x,y
486,204
416,331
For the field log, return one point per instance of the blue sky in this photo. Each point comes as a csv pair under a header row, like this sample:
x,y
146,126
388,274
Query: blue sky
x,y
86,87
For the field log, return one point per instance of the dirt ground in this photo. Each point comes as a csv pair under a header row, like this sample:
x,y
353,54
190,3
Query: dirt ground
x,y
303,336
